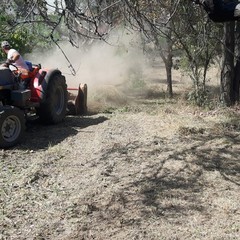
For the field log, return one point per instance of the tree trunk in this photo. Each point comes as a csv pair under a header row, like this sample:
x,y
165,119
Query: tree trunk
x,y
236,80
169,79
227,72
168,65
167,59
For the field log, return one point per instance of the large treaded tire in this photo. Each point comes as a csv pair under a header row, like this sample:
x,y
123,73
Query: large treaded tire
x,y
53,108
12,126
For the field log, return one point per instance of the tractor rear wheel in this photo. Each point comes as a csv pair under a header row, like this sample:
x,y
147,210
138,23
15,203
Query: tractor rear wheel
x,y
12,126
53,108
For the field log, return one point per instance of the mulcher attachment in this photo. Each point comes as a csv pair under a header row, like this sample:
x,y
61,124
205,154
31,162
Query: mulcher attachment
x,y
77,105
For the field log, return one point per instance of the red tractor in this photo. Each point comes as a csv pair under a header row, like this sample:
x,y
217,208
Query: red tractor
x,y
43,92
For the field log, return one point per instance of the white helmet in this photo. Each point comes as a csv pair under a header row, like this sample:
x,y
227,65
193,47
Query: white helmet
x,y
5,44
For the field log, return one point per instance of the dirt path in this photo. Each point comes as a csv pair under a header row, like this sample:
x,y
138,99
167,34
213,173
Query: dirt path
x,y
145,172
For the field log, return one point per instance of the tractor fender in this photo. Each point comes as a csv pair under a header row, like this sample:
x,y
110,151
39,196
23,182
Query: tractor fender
x,y
44,83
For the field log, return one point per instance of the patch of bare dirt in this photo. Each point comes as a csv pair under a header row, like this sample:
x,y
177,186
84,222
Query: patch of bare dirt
x,y
149,169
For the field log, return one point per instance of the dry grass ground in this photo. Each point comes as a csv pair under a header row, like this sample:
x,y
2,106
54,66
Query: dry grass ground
x,y
149,168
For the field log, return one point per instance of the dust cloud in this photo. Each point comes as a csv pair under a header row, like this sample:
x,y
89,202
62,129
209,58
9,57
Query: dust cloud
x,y
106,67
104,63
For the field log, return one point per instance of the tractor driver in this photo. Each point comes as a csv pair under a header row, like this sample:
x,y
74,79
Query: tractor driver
x,y
14,58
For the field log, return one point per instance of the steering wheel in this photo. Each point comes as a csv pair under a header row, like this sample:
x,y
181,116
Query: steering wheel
x,y
14,70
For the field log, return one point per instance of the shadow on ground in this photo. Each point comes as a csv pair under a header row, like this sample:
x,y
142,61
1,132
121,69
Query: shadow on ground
x,y
40,136
166,187
169,181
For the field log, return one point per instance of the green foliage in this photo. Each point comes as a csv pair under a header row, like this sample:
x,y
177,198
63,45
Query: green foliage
x,y
199,41
198,97
25,34
20,39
